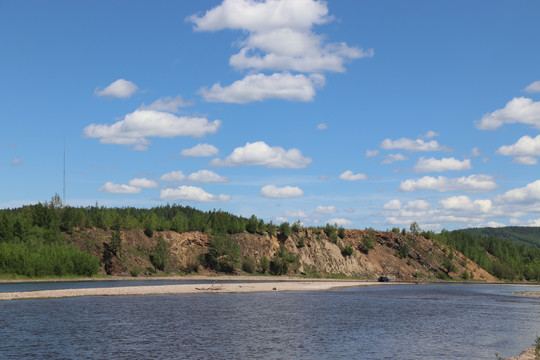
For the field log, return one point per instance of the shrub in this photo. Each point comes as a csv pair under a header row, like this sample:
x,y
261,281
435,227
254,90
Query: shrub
x,y
135,271
341,232
395,230
449,265
347,250
223,254
264,264
159,255
285,229
248,265
403,251
296,226
334,238
366,244
282,260
301,242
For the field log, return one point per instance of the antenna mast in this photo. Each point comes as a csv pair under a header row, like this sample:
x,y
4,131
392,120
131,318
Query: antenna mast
x,y
64,188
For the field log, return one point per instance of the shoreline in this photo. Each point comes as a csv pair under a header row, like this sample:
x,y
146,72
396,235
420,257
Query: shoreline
x,y
240,287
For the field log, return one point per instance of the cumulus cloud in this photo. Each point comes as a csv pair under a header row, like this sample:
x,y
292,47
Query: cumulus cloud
x,y
260,87
340,221
524,151
167,104
412,145
526,195
474,152
200,150
191,193
322,210
285,192
533,88
372,153
112,188
420,205
392,158
394,204
350,176
206,176
322,126
518,110
464,203
173,176
118,89
295,214
444,164
471,184
279,35
136,127
260,154
143,183
430,134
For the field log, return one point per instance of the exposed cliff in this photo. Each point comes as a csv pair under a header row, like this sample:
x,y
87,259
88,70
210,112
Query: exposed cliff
x,y
359,253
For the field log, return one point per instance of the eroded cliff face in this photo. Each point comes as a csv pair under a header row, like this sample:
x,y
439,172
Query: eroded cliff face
x,y
400,257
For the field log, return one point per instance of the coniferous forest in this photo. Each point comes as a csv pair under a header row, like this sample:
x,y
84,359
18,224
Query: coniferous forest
x,y
33,238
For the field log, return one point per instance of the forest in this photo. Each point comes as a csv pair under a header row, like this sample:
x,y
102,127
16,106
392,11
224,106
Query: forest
x,y
33,238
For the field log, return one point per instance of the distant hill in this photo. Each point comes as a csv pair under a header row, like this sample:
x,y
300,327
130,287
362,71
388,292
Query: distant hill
x,y
527,235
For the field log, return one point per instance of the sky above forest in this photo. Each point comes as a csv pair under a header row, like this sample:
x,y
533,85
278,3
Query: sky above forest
x,y
357,113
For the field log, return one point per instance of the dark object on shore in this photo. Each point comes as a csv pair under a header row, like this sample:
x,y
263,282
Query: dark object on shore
x,y
383,279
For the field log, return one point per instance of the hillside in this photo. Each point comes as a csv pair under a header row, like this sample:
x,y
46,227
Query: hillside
x,y
526,235
400,257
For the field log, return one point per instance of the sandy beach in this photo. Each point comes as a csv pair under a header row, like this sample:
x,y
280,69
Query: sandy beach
x,y
218,288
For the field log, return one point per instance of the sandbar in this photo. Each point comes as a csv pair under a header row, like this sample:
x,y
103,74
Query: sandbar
x,y
217,288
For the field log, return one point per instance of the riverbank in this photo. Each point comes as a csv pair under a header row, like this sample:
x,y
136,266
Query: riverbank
x,y
526,355
217,288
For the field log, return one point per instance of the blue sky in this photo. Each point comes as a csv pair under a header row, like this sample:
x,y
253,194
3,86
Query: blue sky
x,y
361,113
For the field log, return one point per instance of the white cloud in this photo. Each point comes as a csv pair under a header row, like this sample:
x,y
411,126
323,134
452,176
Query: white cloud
x,y
286,192
143,183
392,158
372,153
529,194
279,35
112,188
518,110
322,210
206,176
259,87
340,221
412,145
260,154
420,205
533,88
525,150
200,150
136,127
474,152
430,134
464,203
295,214
167,104
350,176
394,204
444,164
472,184
191,193
322,126
173,176
118,89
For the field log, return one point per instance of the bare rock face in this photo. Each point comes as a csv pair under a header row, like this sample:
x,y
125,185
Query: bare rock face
x,y
400,257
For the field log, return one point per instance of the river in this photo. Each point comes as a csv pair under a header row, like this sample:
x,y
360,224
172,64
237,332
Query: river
x,y
455,321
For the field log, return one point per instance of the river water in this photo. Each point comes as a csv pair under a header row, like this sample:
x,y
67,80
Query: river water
x,y
387,322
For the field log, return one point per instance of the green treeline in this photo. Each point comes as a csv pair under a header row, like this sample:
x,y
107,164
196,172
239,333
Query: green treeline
x,y
499,257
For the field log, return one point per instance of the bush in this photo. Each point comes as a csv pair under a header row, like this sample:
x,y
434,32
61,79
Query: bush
x,y
223,254
347,250
159,255
264,265
301,242
366,244
341,232
403,251
285,229
248,265
296,226
282,260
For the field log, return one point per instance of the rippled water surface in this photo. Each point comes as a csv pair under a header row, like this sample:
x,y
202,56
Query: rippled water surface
x,y
388,322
